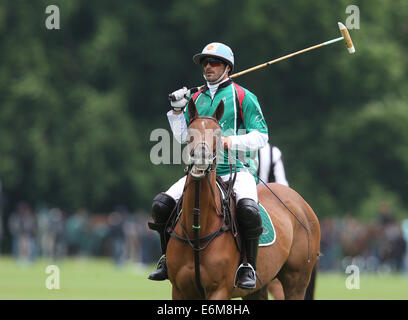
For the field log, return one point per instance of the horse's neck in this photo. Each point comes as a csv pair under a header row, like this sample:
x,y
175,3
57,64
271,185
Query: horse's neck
x,y
207,203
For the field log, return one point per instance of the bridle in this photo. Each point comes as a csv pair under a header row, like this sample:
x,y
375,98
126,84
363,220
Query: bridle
x,y
211,167
205,171
210,162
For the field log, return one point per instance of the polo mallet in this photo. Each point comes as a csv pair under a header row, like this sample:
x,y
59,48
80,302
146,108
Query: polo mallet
x,y
345,36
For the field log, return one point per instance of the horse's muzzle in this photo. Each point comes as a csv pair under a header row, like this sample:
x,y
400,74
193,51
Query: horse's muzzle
x,y
201,161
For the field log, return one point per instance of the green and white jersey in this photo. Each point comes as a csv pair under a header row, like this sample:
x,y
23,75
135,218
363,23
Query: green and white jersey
x,y
236,121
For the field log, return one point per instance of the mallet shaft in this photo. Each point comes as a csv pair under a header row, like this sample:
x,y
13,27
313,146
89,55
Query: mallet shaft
x,y
285,57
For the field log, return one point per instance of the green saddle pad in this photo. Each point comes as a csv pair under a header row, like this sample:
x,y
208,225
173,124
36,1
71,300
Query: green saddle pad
x,y
268,235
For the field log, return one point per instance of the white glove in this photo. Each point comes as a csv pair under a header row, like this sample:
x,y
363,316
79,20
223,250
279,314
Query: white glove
x,y
180,99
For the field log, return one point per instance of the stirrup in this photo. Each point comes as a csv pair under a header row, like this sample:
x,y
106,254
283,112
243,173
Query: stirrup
x,y
160,273
241,267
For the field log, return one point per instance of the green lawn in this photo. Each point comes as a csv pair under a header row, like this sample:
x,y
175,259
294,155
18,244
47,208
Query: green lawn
x,y
79,279
99,279
372,287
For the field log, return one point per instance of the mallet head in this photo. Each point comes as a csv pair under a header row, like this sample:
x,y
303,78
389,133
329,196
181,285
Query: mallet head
x,y
347,38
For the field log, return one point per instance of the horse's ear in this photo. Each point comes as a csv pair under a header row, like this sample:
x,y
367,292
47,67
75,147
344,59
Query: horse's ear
x,y
219,112
192,110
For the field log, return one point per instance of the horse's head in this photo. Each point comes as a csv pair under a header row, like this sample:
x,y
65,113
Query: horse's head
x,y
204,140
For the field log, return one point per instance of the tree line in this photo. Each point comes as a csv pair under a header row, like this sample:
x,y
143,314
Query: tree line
x,y
79,103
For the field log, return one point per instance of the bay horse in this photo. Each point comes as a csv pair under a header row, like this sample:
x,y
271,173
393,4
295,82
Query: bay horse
x,y
205,269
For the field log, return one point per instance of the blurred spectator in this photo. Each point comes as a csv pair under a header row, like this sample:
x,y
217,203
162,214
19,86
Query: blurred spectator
x,y
23,227
150,250
391,244
132,241
385,214
117,237
97,233
76,233
1,232
379,246
130,238
330,245
1,215
354,237
270,165
51,227
404,226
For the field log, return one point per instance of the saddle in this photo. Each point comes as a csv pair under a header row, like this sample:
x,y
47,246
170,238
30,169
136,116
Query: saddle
x,y
229,223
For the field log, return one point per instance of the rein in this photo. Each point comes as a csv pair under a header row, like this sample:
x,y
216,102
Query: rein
x,y
297,219
196,227
195,243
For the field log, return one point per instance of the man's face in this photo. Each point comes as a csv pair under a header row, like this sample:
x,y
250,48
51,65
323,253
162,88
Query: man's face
x,y
213,68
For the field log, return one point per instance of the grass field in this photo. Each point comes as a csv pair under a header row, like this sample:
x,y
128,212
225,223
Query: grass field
x,y
99,279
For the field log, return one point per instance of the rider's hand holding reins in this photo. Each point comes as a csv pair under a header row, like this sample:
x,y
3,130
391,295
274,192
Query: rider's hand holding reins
x,y
226,142
178,99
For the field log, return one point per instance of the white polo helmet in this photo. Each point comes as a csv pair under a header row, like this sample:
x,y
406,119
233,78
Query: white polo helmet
x,y
216,50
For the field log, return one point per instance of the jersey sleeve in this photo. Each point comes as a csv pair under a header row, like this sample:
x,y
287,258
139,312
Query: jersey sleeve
x,y
178,126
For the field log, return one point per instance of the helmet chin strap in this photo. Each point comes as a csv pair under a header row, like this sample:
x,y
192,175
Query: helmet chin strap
x,y
219,79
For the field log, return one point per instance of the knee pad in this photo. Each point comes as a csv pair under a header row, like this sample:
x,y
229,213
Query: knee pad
x,y
249,218
162,207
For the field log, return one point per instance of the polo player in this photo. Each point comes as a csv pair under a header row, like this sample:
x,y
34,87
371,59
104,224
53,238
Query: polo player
x,y
244,129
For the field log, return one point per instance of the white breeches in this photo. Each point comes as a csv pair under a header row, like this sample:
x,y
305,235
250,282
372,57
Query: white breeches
x,y
244,187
